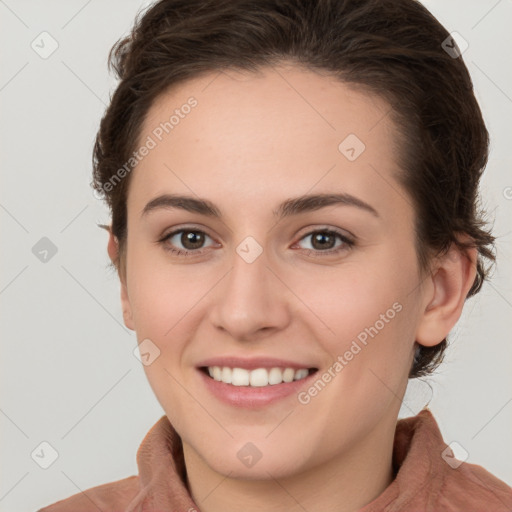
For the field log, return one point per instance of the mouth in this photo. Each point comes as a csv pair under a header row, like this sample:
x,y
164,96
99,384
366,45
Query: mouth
x,y
257,377
255,382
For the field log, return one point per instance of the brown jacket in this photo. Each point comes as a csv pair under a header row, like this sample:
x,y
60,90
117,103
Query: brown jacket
x,y
424,480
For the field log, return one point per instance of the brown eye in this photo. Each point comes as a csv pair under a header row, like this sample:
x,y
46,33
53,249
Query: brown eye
x,y
186,242
323,242
192,239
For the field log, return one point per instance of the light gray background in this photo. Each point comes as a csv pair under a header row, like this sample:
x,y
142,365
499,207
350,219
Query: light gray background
x,y
68,373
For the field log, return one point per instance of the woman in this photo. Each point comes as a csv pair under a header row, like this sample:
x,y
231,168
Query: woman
x,y
293,187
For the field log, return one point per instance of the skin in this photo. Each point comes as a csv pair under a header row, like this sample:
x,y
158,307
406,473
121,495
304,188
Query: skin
x,y
253,141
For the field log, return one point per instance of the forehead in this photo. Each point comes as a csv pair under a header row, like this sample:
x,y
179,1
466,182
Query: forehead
x,y
282,131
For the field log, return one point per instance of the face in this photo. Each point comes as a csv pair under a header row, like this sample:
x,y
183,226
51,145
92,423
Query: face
x,y
263,280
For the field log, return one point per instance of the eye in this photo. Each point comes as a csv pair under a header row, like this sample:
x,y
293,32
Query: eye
x,y
323,242
191,239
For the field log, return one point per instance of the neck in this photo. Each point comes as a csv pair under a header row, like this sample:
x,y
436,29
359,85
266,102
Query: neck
x,y
344,483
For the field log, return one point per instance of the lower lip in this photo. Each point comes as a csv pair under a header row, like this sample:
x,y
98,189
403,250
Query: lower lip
x,y
250,397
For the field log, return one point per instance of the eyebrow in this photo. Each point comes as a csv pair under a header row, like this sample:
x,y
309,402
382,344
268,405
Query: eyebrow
x,y
293,206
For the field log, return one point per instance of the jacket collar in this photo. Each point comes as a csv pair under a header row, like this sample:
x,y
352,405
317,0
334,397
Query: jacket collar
x,y
163,481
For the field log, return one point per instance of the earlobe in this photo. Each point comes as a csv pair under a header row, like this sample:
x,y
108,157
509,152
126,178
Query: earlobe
x,y
112,247
113,252
452,279
127,309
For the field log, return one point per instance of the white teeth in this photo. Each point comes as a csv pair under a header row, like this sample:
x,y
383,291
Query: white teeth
x,y
300,374
226,375
275,376
256,378
239,377
217,373
288,374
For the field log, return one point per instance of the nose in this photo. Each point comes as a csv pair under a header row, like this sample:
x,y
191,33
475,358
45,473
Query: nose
x,y
251,300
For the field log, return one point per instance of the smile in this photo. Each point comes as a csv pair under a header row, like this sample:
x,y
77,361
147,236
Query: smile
x,y
258,377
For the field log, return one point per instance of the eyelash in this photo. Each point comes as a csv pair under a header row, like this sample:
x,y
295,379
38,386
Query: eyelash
x,y
347,243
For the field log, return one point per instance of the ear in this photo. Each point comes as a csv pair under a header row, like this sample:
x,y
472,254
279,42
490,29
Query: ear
x,y
113,252
450,282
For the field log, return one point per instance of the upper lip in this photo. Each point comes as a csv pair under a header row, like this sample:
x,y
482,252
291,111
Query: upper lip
x,y
253,363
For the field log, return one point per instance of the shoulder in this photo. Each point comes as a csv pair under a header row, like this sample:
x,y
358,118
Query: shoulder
x,y
111,497
430,477
472,488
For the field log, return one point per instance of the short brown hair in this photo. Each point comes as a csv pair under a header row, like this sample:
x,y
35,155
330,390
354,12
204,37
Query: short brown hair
x,y
392,48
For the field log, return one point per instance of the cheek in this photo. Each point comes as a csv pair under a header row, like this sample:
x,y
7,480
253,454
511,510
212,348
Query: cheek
x,y
160,293
342,303
364,318
369,339
164,302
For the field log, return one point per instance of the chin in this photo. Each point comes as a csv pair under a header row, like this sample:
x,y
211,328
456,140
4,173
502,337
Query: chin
x,y
253,461
261,470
